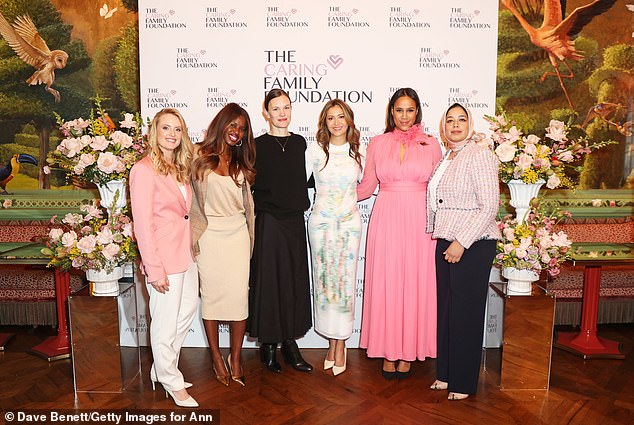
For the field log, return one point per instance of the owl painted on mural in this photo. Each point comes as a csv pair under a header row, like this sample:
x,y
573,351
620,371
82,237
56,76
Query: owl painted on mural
x,y
27,43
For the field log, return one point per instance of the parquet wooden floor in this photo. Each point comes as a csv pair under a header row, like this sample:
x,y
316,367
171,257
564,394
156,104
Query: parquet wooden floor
x,y
581,392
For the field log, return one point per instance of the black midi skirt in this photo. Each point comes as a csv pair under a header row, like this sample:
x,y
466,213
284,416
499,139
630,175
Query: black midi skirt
x,y
279,288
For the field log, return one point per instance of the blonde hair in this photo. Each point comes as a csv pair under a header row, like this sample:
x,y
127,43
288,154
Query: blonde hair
x,y
180,168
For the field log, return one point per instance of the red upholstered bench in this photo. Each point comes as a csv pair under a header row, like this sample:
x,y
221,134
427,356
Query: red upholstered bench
x,y
27,296
616,304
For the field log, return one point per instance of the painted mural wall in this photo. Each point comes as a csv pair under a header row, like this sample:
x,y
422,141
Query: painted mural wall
x,y
96,42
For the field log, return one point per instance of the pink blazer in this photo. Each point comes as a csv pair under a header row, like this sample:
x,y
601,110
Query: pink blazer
x,y
161,221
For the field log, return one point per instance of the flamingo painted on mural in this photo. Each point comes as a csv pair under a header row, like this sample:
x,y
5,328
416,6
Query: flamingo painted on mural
x,y
554,35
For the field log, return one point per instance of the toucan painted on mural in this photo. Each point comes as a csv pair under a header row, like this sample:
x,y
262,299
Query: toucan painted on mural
x,y
12,168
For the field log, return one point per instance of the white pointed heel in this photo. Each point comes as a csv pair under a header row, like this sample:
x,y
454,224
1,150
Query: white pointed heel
x,y
188,402
336,370
154,380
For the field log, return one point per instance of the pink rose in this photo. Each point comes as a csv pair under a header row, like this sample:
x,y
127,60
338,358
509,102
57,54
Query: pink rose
x,y
99,143
505,152
85,140
556,131
107,162
553,181
87,244
7,203
514,134
525,161
509,233
55,234
530,149
104,237
69,238
123,140
531,139
110,251
71,147
565,156
128,121
86,160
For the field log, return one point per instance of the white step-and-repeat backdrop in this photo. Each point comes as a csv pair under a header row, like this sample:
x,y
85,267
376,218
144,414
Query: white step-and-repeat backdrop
x,y
198,55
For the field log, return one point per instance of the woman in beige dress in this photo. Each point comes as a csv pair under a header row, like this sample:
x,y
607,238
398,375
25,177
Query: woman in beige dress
x,y
222,225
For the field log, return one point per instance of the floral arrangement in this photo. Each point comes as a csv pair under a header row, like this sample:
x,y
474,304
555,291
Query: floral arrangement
x,y
530,158
533,245
6,203
90,241
95,150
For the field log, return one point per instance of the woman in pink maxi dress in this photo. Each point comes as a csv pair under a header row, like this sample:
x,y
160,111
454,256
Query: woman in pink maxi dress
x,y
399,302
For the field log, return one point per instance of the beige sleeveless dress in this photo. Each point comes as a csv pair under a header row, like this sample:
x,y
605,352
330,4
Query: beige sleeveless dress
x,y
223,263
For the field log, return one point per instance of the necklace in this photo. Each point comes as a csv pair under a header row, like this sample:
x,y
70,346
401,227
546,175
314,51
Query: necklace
x,y
283,146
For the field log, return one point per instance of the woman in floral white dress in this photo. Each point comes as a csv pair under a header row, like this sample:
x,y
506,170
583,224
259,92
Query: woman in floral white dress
x,y
334,227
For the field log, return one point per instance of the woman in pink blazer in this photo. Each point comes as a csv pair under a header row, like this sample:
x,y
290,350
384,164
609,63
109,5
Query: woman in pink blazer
x,y
161,197
462,203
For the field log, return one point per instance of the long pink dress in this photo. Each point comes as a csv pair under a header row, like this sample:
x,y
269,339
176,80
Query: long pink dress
x,y
399,300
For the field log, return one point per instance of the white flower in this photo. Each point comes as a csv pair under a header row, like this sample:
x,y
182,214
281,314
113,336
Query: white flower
x,y
7,203
520,253
55,234
596,202
525,161
85,140
71,147
104,237
69,238
86,159
553,181
123,140
107,162
128,121
530,149
99,143
556,131
531,139
110,251
46,169
509,233
514,134
72,219
87,244
561,239
506,152
127,230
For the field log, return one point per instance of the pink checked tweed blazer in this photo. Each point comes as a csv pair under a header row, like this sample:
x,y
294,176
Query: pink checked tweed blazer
x,y
468,198
161,221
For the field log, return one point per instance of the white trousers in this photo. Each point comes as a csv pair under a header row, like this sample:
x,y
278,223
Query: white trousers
x,y
171,315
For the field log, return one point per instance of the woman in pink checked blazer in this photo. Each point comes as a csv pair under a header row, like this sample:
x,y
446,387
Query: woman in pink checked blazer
x,y
161,196
462,203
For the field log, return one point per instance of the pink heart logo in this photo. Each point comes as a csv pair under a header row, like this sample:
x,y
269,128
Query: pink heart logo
x,y
172,92
233,91
474,92
335,61
355,10
293,11
232,11
446,52
172,11
202,52
416,11
476,12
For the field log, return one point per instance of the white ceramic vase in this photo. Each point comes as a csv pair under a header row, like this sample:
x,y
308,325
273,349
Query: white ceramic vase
x,y
107,192
520,282
104,284
521,195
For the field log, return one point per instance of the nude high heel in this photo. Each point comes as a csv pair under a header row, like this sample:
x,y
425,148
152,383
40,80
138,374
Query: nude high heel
x,y
336,370
154,380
